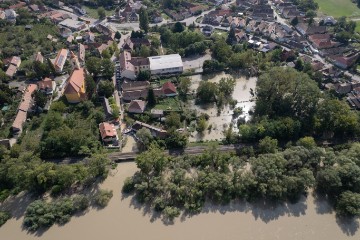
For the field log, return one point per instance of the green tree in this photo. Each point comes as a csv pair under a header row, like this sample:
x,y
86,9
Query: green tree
x,y
206,92
144,19
348,204
176,139
268,145
106,54
102,198
295,21
151,98
143,76
106,88
101,12
184,86
231,38
93,65
178,27
144,51
40,99
108,68
336,116
90,85
201,125
117,35
4,216
145,138
173,120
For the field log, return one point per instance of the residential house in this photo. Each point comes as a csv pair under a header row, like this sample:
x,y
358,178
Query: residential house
x,y
135,43
24,107
89,37
74,25
126,68
108,134
306,29
345,62
38,57
18,5
157,113
137,106
47,86
65,32
207,30
169,89
60,60
241,36
155,131
2,14
75,88
13,64
329,20
135,90
10,15
322,41
227,20
81,53
104,29
157,18
34,8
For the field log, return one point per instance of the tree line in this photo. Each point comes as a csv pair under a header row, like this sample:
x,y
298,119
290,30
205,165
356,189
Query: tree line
x,y
171,185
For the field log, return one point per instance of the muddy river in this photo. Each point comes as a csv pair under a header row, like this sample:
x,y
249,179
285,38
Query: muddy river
x,y
309,219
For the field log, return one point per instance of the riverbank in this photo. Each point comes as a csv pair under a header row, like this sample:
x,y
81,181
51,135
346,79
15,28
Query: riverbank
x,y
125,219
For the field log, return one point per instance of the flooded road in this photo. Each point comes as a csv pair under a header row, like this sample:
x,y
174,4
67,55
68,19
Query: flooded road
x,y
309,219
241,94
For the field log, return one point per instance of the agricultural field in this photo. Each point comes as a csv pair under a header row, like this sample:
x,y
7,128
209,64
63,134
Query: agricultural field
x,y
338,8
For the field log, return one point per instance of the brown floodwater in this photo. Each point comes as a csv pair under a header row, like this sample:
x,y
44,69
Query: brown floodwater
x,y
218,122
309,219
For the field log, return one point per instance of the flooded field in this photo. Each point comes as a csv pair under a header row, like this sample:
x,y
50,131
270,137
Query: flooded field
x,y
123,218
241,94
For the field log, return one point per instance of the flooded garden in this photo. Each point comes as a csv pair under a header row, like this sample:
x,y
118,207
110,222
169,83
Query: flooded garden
x,y
221,120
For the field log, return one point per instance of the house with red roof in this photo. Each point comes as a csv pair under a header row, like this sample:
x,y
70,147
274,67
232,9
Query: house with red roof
x,y
169,89
108,134
47,86
137,106
75,88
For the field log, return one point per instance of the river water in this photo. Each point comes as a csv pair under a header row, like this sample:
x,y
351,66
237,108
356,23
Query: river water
x,y
309,219
241,94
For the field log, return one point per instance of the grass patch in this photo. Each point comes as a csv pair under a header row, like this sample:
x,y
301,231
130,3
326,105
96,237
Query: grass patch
x,y
92,12
219,32
338,8
357,29
169,104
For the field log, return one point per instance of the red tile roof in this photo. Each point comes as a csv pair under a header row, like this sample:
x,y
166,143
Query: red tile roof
x,y
169,88
107,130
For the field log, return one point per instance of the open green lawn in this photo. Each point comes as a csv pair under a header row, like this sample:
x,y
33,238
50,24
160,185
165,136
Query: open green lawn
x,y
92,12
338,8
169,104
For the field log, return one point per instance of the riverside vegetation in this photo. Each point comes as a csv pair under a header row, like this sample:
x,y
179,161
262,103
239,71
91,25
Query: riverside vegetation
x,y
173,184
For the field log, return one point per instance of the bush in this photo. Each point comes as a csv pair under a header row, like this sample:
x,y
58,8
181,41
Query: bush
x,y
4,216
129,185
103,197
40,214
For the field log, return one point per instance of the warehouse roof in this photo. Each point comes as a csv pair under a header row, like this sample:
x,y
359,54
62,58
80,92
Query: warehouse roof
x,y
165,62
